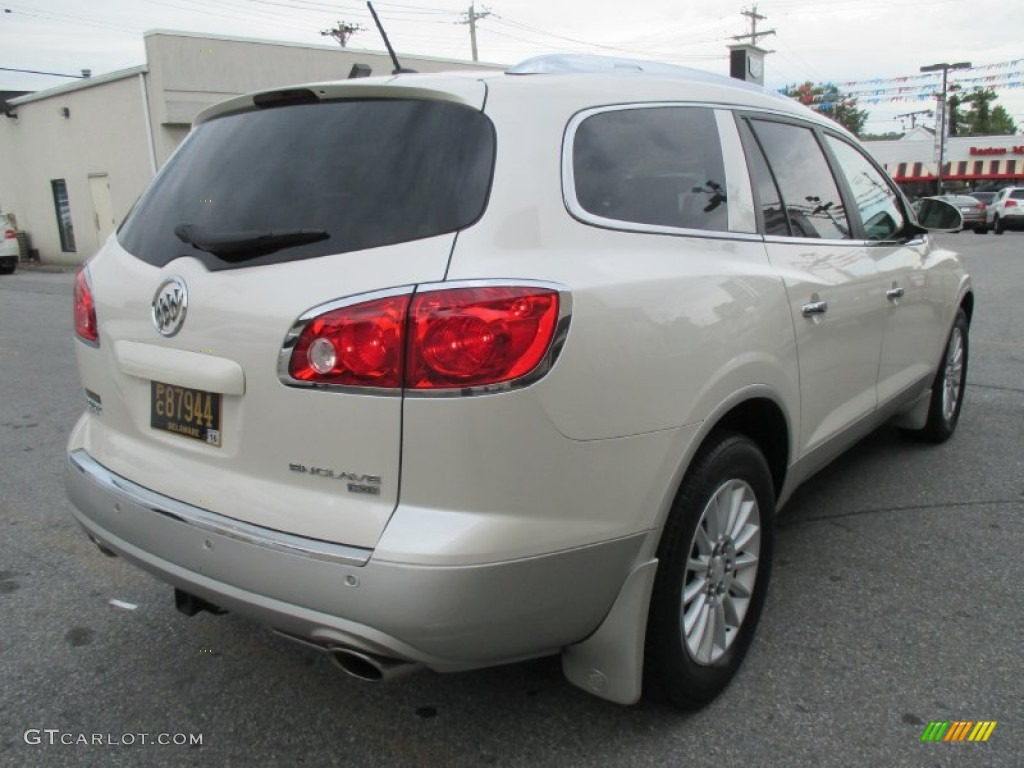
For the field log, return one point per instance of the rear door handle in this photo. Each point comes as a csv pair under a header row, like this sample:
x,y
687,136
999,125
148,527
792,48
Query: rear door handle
x,y
814,308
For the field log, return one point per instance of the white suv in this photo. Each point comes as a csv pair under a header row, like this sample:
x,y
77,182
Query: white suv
x,y
457,370
1006,211
9,248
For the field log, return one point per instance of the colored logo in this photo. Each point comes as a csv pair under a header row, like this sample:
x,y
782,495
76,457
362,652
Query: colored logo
x,y
958,730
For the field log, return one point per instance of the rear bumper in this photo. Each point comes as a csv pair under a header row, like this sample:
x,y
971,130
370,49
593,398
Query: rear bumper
x,y
446,618
1012,221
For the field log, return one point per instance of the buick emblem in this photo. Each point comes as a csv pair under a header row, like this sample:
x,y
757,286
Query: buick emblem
x,y
169,306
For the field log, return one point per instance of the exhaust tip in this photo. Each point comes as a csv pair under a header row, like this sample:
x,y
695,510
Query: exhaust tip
x,y
190,605
357,665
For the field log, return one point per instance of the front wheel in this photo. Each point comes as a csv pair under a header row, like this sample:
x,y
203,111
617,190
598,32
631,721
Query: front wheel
x,y
714,564
948,384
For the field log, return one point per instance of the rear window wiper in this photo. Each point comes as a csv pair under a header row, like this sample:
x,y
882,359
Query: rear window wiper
x,y
247,244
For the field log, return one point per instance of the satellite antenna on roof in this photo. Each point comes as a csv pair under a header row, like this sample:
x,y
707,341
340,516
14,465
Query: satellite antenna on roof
x,y
399,70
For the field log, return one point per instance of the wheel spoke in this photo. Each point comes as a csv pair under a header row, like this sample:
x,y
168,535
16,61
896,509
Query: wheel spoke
x,y
700,539
746,507
706,636
719,626
730,611
696,620
745,561
716,518
739,589
744,537
693,589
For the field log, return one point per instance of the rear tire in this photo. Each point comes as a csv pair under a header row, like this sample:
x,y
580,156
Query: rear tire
x,y
949,384
997,225
714,564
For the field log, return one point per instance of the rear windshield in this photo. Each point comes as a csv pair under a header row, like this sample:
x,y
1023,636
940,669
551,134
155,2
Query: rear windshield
x,y
297,182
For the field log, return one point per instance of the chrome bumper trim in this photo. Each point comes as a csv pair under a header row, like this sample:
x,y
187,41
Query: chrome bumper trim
x,y
211,522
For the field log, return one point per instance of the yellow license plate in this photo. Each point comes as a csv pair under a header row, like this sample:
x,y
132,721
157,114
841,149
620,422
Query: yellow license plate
x,y
191,413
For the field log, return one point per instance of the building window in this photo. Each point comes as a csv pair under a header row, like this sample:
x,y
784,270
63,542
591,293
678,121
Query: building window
x,y
979,167
63,209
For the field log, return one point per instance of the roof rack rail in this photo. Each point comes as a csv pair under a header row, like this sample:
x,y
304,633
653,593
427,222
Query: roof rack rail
x,y
586,63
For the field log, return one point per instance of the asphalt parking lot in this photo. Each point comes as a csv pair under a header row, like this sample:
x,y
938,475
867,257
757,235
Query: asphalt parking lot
x,y
896,600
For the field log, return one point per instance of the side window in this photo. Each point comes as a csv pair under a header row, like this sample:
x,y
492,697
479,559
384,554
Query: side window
x,y
877,202
809,193
658,165
772,212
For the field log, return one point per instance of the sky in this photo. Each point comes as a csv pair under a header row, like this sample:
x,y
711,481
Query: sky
x,y
873,48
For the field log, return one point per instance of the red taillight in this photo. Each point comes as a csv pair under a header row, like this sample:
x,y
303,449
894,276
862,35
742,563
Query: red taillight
x,y
358,345
471,337
1011,203
85,309
10,234
436,339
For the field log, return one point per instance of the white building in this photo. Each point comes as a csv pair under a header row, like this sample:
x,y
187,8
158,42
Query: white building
x,y
969,162
76,157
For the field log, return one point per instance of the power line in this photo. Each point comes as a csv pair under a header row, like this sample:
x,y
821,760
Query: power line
x,y
37,72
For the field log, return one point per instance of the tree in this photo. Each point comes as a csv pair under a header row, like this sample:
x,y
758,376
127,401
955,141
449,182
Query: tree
x,y
827,99
887,136
979,118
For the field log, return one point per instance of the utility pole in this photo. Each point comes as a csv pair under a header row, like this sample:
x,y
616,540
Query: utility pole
x,y
471,18
941,117
342,31
913,116
753,37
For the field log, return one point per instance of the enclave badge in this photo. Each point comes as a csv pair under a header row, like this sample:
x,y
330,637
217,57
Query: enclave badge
x,y
169,306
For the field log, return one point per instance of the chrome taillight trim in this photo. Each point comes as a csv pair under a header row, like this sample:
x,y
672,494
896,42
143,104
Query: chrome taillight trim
x,y
546,363
292,338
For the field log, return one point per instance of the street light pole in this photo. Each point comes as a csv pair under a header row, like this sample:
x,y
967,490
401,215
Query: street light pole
x,y
942,114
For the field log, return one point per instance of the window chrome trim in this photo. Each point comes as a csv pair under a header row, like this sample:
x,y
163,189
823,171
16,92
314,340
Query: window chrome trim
x,y
738,188
211,522
542,368
833,242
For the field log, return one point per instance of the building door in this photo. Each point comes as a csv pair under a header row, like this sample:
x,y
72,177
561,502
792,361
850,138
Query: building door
x,y
103,208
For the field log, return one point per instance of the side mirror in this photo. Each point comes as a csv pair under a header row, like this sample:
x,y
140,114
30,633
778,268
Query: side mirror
x,y
938,215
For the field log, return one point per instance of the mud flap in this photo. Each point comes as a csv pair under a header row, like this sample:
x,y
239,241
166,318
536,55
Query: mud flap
x,y
610,663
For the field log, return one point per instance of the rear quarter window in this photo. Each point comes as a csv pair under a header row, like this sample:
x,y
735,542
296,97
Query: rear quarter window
x,y
659,166
369,173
